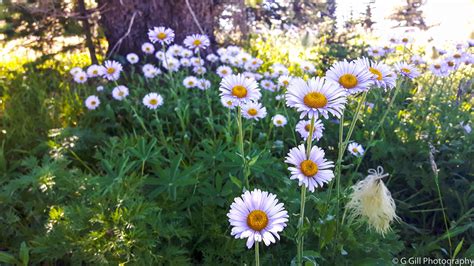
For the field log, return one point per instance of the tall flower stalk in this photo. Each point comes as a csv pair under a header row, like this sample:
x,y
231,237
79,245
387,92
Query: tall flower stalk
x,y
241,148
300,238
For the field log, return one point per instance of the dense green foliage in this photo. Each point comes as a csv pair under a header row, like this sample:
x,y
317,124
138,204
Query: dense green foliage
x,y
124,184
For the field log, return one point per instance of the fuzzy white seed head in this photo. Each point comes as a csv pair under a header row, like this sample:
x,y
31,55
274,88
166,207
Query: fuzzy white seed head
x,y
372,201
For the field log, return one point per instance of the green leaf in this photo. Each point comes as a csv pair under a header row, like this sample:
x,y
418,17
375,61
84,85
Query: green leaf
x,y
458,248
7,258
236,181
24,254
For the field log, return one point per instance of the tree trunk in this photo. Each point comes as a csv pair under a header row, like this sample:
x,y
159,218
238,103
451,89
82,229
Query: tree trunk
x,y
87,30
126,22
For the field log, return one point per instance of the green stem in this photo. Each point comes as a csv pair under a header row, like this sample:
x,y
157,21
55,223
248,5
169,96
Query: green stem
x,y
257,254
374,132
241,147
300,239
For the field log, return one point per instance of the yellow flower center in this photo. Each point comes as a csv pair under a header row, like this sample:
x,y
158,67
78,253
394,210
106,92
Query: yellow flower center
x,y
307,127
93,103
348,81
286,82
252,112
279,122
161,36
153,101
315,100
257,220
354,149
405,40
375,51
457,56
190,83
81,77
110,70
197,42
437,66
224,72
309,168
406,70
450,63
306,67
121,93
229,103
239,91
95,72
376,72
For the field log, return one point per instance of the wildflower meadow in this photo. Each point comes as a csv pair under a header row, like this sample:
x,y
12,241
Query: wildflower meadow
x,y
290,145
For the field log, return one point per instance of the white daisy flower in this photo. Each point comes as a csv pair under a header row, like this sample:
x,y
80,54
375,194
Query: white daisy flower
x,y
152,100
267,85
355,149
316,97
304,126
279,120
221,51
175,50
190,82
92,102
354,77
253,110
439,69
279,70
197,41
199,70
160,55
417,60
111,70
284,81
257,76
382,75
133,58
185,62
406,70
239,89
212,58
405,40
224,71
203,84
307,67
226,59
148,48
120,92
75,70
228,103
388,50
253,64
376,51
94,71
150,71
186,53
197,61
314,171
161,34
451,63
257,216
80,77
171,64
249,75
458,56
